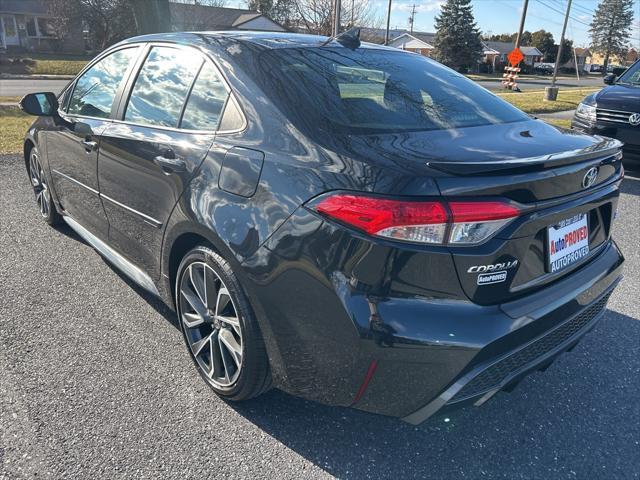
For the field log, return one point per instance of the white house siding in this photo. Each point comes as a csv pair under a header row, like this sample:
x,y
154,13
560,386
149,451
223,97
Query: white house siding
x,y
261,23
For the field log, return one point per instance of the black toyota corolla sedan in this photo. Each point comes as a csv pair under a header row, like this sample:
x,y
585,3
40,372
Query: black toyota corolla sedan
x,y
350,223
614,111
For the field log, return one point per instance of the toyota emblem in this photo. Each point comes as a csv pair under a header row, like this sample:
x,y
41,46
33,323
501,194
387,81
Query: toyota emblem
x,y
634,119
590,177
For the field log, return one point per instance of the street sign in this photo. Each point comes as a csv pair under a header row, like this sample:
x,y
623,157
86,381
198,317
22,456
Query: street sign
x,y
515,56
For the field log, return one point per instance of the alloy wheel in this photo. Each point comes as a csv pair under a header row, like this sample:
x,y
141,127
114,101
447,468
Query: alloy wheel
x,y
211,324
39,184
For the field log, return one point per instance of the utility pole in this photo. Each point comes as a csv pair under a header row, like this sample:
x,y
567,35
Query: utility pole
x,y
564,29
386,33
412,17
353,5
336,17
522,18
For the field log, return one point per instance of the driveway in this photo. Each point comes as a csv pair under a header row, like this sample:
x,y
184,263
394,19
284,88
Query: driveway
x,y
95,382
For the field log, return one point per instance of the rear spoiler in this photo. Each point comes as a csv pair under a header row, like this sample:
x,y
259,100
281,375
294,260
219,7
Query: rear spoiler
x,y
609,150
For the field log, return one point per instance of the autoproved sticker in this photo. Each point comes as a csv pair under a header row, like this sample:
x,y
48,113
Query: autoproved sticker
x,y
493,277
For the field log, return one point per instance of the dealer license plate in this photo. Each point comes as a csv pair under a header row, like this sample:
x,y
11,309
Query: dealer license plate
x,y
567,242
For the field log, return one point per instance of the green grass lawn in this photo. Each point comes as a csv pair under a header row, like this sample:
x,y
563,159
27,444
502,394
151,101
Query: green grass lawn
x,y
14,125
45,64
4,99
559,122
533,102
57,67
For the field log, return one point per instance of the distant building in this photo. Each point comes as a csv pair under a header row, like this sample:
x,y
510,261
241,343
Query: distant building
x,y
416,42
26,25
422,44
531,54
187,17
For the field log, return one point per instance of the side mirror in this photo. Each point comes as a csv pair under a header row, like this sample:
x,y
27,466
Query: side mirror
x,y
609,79
40,104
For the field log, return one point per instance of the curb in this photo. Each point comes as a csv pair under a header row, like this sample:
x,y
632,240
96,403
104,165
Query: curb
x,y
9,76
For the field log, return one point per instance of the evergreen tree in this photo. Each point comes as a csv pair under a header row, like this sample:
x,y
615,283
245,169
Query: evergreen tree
x,y
457,42
544,42
611,28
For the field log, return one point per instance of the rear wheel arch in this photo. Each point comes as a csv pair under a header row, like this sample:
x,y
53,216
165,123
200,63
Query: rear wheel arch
x,y
181,240
28,146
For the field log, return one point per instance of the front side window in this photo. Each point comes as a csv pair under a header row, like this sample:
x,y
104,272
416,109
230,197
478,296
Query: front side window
x,y
161,88
205,102
95,90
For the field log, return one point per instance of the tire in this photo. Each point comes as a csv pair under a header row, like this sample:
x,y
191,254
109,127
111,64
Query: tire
x,y
41,189
219,327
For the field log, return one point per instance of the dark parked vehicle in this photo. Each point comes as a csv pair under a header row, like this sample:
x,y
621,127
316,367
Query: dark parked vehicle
x,y
350,223
614,111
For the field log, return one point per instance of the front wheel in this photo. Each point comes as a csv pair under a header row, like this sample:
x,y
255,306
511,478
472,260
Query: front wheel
x,y
219,326
41,189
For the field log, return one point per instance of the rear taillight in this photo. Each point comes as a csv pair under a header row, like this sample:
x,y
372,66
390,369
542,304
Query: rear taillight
x,y
474,222
434,222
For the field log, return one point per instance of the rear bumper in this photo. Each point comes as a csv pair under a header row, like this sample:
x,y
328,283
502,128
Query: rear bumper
x,y
347,325
505,372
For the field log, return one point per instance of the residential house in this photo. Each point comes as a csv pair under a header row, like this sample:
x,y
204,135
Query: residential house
x,y
632,56
188,17
416,42
498,60
25,25
422,44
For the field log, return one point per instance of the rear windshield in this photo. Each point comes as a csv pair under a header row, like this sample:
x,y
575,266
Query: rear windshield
x,y
373,91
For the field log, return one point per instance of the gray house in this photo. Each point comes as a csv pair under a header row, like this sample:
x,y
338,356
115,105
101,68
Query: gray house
x,y
25,25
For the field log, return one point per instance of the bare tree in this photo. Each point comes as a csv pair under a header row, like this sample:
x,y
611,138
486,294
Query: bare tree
x,y
315,16
107,21
204,3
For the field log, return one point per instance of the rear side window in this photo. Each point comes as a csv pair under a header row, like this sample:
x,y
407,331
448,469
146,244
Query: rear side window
x,y
162,86
205,102
96,88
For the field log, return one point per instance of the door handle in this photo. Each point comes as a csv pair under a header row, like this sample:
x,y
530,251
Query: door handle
x,y
89,145
170,165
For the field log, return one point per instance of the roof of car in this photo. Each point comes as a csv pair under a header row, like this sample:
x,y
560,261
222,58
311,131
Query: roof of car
x,y
267,40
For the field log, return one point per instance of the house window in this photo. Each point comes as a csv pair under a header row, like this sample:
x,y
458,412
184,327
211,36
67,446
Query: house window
x,y
32,29
45,27
39,27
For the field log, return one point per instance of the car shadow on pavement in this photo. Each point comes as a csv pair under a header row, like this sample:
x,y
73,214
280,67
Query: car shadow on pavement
x,y
157,304
560,413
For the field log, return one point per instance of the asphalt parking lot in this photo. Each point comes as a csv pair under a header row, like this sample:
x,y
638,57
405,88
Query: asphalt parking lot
x,y
95,382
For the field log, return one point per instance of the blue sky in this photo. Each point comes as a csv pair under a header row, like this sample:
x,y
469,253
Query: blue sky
x,y
501,16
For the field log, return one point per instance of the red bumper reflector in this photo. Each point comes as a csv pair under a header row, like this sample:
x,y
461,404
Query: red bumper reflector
x,y
365,382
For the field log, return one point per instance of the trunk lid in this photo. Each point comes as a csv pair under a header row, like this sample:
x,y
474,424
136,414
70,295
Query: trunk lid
x,y
550,189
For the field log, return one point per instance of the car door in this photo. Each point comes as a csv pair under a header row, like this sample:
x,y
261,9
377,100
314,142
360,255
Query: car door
x,y
72,147
166,127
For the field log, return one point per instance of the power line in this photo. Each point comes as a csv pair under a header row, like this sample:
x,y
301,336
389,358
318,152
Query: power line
x,y
562,13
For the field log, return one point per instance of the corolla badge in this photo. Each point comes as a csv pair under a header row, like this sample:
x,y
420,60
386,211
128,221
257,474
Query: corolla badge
x,y
493,273
634,119
590,177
